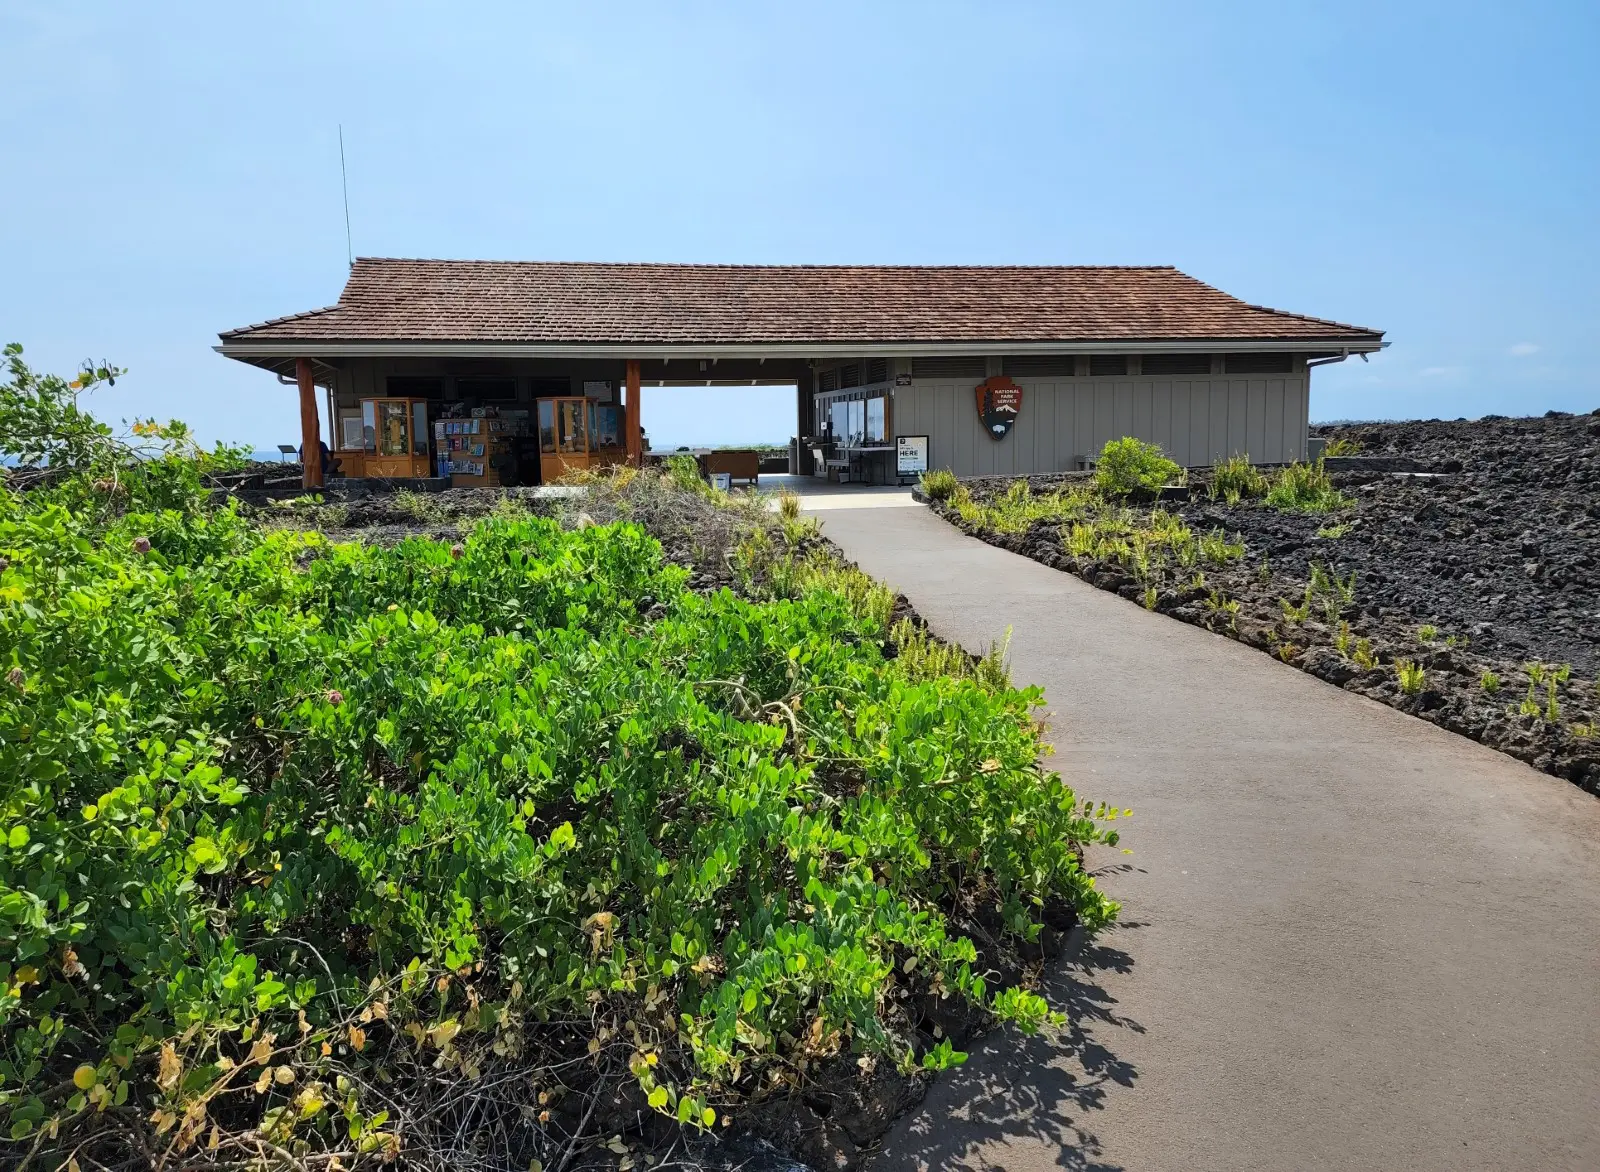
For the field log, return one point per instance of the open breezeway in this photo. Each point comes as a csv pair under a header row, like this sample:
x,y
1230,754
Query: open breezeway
x,y
1349,940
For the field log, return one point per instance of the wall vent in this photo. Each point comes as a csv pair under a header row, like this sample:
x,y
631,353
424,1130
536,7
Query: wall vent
x,y
1042,366
828,380
850,375
877,370
1104,365
924,369
1258,363
1176,364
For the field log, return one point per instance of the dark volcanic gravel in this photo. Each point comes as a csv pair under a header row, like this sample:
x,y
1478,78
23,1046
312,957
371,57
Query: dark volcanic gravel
x,y
1506,550
1490,534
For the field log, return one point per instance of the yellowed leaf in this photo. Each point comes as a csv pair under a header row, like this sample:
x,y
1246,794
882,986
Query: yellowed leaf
x,y
283,1076
441,1034
358,1038
170,1069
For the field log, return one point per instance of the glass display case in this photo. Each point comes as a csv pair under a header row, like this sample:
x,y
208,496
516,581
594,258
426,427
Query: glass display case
x,y
577,432
394,437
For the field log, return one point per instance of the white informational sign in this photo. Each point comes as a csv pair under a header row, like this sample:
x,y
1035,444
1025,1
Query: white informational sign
x,y
911,455
722,480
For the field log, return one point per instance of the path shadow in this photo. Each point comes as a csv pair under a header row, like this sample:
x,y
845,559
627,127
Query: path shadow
x,y
1043,1089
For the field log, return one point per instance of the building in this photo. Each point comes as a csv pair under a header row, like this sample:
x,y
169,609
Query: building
x,y
1004,370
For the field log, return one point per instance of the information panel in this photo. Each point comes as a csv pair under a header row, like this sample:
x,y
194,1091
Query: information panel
x,y
911,455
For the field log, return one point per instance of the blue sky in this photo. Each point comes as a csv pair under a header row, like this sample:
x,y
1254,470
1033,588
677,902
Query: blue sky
x,y
171,169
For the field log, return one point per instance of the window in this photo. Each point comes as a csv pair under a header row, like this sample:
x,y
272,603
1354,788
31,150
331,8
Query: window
x,y
877,370
1176,364
1104,365
858,423
419,428
839,420
850,375
877,420
1258,363
947,368
406,387
547,427
487,390
369,426
1042,366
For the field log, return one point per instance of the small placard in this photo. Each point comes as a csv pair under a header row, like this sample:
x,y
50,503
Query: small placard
x,y
597,390
902,380
911,455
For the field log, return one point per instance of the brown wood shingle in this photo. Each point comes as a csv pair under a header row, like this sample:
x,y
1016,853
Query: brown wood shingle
x,y
393,300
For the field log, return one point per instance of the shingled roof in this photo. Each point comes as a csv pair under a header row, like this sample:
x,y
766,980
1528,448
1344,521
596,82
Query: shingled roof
x,y
517,302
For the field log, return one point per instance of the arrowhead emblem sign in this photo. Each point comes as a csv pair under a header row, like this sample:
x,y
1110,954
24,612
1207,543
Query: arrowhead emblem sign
x,y
999,404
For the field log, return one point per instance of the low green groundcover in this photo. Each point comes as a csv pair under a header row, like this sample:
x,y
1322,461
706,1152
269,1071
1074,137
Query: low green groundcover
x,y
297,836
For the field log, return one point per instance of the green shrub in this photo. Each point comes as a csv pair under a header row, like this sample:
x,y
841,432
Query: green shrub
x,y
1129,467
1411,676
352,850
1489,681
1236,479
1305,488
938,484
1342,446
684,473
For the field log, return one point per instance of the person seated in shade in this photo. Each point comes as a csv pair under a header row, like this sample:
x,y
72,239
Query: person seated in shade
x,y
330,466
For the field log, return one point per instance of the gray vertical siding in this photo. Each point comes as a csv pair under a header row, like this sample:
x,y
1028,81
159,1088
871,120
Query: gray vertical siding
x,y
1196,420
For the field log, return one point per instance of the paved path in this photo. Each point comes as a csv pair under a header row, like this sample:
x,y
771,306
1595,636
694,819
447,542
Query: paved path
x,y
1351,940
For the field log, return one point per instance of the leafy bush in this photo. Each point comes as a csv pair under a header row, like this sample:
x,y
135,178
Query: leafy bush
x,y
327,824
1236,479
51,440
1342,446
938,483
1411,676
1305,488
1129,466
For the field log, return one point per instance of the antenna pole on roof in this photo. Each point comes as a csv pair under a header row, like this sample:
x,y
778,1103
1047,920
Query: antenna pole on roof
x,y
344,184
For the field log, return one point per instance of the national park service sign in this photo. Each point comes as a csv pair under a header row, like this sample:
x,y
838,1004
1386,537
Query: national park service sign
x,y
999,404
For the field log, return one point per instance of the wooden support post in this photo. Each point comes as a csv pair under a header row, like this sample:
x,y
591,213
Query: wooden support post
x,y
635,443
310,429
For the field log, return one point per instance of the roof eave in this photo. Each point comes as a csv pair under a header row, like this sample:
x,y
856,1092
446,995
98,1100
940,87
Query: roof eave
x,y
248,350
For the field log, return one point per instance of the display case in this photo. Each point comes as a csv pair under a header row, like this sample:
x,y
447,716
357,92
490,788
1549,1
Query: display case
x,y
394,439
578,433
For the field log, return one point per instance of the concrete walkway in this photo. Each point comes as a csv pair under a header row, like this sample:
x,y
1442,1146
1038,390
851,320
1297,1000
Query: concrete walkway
x,y
1350,939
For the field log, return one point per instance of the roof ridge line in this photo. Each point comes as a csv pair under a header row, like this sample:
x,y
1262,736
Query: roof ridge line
x,y
693,264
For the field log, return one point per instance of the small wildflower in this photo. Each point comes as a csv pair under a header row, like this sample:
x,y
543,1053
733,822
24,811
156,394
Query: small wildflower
x,y
335,697
141,545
